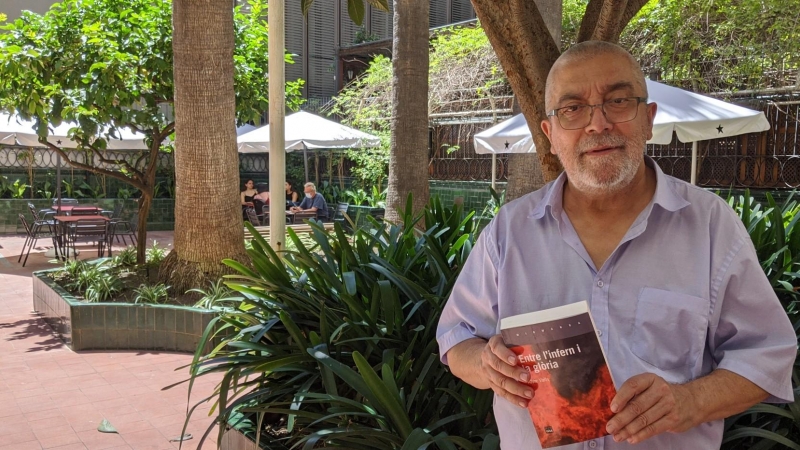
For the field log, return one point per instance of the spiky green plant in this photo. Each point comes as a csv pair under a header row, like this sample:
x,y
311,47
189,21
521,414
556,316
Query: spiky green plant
x,y
338,345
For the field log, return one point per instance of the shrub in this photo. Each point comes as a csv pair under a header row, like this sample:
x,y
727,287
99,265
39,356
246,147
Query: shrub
x,y
217,296
775,233
155,254
151,294
126,257
338,346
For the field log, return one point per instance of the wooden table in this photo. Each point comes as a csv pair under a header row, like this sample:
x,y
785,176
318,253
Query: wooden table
x,y
62,230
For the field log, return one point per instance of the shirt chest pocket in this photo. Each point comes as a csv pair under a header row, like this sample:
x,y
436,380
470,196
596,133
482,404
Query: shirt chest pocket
x,y
670,328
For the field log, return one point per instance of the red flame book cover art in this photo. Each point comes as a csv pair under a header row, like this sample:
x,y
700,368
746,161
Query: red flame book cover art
x,y
569,373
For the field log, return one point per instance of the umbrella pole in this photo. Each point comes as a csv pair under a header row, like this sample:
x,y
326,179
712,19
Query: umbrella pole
x,y
277,133
494,169
305,162
58,180
693,177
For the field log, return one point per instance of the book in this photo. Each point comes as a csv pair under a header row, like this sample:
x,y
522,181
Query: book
x,y
572,383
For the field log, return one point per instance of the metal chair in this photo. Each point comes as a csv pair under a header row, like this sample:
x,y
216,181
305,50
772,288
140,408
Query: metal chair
x,y
265,214
85,211
41,214
39,229
90,230
121,228
66,201
251,216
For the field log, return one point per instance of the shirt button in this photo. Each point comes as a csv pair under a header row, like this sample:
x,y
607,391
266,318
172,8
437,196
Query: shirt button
x,y
592,444
599,332
600,283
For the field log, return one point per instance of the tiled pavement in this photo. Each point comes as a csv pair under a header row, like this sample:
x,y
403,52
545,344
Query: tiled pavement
x,y
52,397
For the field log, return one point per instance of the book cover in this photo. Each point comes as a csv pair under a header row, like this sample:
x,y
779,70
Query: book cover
x,y
572,383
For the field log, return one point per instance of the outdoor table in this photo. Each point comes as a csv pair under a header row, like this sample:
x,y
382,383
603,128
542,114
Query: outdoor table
x,y
62,224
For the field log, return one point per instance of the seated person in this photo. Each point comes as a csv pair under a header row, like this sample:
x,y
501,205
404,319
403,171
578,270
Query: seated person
x,y
247,196
261,199
312,202
291,195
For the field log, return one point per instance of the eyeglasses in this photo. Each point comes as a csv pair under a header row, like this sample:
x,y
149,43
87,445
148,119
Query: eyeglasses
x,y
616,110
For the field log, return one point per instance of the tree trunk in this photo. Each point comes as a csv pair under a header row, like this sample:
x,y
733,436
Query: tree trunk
x,y
408,160
145,201
526,37
208,217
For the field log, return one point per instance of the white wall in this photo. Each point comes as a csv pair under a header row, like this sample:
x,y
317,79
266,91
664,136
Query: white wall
x,y
13,8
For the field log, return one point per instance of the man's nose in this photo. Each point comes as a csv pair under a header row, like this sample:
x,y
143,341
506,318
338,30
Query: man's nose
x,y
598,122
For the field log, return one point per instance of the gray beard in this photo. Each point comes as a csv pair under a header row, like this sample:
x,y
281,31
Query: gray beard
x,y
586,181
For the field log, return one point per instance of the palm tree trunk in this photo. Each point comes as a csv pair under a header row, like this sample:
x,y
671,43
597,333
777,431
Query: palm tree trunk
x,y
408,160
208,218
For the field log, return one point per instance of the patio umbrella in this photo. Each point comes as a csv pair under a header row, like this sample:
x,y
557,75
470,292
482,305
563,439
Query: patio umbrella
x,y
693,117
306,131
15,131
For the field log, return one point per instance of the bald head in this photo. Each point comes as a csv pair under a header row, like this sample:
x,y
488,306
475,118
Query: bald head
x,y
586,51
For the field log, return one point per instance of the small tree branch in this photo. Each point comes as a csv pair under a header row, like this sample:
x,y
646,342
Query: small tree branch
x,y
119,162
91,168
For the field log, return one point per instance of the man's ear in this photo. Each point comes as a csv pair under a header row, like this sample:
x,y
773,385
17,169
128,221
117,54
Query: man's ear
x,y
652,108
546,128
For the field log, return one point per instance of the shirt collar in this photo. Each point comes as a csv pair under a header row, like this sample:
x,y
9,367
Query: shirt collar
x,y
665,196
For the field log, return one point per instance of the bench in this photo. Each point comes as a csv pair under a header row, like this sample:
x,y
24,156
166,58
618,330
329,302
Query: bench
x,y
298,228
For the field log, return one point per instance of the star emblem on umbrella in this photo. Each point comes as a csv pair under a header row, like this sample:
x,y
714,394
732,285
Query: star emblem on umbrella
x,y
506,145
719,129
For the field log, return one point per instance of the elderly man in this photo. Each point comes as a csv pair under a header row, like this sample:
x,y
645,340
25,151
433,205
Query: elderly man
x,y
312,202
691,328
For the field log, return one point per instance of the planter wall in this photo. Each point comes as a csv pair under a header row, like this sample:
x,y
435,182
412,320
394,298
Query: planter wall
x,y
117,326
233,439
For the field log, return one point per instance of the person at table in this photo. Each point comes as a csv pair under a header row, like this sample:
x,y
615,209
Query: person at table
x,y
292,197
312,202
261,199
247,196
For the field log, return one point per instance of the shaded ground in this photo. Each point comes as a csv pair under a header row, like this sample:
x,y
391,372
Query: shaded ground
x,y
52,397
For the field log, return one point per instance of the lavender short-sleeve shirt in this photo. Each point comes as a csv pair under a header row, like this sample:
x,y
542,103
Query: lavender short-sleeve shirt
x,y
683,294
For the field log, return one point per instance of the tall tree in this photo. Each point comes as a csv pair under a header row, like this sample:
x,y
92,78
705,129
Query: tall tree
x,y
107,64
526,50
208,228
408,157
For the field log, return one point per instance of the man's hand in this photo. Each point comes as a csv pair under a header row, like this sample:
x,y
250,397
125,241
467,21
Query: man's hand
x,y
646,405
506,378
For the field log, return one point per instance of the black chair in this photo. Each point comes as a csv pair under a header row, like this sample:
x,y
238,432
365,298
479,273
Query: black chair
x,y
265,214
39,229
41,214
251,216
66,201
121,228
89,230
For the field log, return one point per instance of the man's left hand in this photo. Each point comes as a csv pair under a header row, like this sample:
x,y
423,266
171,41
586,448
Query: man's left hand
x,y
646,405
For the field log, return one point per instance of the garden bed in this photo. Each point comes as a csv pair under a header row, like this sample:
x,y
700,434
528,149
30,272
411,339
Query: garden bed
x,y
117,326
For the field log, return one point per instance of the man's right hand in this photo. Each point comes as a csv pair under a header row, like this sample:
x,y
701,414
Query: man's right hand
x,y
506,378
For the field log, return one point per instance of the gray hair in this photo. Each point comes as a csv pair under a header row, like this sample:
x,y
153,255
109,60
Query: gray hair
x,y
311,185
588,50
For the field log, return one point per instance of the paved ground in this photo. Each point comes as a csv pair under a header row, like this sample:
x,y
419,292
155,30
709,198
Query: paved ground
x,y
52,397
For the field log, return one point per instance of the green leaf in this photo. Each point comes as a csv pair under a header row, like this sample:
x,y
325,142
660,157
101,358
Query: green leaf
x,y
356,10
383,5
386,401
752,432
